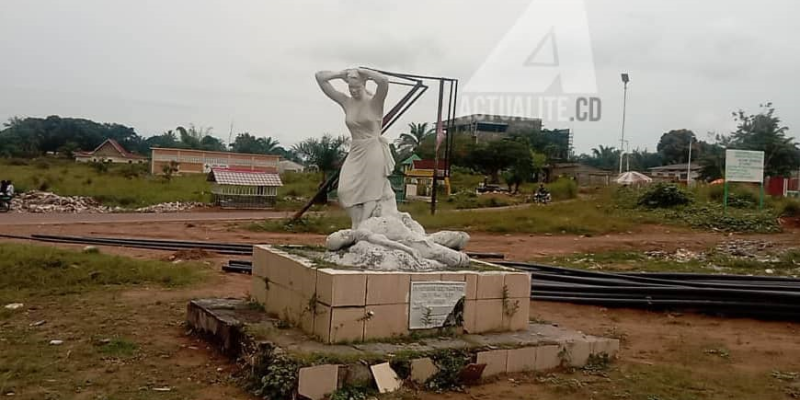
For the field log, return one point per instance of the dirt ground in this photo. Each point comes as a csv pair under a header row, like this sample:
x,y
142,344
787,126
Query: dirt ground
x,y
663,356
520,247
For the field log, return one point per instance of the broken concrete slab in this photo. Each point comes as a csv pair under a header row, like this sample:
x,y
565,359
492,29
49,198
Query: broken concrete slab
x,y
317,382
495,360
422,369
385,378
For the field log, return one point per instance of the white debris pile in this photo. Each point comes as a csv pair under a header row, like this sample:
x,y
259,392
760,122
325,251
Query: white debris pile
x,y
758,250
175,206
46,202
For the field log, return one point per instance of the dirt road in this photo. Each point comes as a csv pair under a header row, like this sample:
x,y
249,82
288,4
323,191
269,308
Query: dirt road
x,y
664,355
521,247
60,219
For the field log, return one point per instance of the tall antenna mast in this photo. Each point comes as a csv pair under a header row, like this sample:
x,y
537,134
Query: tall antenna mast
x,y
230,136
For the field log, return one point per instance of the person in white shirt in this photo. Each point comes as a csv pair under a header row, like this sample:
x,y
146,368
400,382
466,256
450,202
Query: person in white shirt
x,y
10,189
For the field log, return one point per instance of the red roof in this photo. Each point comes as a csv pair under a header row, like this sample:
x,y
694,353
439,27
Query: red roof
x,y
121,150
428,164
242,177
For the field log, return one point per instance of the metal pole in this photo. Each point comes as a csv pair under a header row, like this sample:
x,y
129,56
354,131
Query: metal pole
x,y
689,165
628,158
436,146
622,139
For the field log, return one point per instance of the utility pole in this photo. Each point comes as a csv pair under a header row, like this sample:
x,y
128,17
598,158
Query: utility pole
x,y
628,158
625,80
436,147
230,137
689,165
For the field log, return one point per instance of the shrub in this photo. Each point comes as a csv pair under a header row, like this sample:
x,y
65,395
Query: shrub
x,y
789,208
99,167
41,164
131,171
17,161
664,195
739,196
563,189
712,216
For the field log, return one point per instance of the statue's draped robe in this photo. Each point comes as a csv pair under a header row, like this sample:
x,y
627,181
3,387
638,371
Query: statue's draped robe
x,y
364,175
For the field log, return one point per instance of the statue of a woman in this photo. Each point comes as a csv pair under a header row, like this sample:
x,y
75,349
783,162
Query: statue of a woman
x,y
364,189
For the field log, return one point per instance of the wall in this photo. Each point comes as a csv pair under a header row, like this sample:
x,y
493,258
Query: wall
x,y
198,162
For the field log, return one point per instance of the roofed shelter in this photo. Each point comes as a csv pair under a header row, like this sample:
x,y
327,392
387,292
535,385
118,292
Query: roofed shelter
x,y
109,151
241,188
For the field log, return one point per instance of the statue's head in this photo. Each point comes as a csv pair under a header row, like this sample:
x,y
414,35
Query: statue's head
x,y
356,83
341,239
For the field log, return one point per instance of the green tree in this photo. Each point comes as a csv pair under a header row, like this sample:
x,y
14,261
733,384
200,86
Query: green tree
x,y
602,157
247,143
523,168
764,132
642,160
325,153
493,157
29,137
674,146
410,141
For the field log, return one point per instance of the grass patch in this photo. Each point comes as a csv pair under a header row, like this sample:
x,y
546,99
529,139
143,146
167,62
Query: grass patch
x,y
119,348
786,263
124,185
574,217
28,270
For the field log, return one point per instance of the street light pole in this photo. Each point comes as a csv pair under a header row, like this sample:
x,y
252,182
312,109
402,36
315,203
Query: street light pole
x,y
689,165
625,80
628,156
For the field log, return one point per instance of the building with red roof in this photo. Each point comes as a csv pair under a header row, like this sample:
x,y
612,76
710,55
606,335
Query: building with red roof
x,y
109,151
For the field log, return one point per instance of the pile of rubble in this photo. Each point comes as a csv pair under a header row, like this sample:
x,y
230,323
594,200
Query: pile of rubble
x,y
46,202
758,250
175,206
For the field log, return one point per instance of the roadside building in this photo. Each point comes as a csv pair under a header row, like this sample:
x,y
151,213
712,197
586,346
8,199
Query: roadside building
x,y
202,162
408,164
584,175
485,127
419,178
110,151
675,172
289,166
237,188
556,144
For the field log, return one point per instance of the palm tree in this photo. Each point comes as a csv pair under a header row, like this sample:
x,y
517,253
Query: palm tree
x,y
270,145
605,157
408,143
325,152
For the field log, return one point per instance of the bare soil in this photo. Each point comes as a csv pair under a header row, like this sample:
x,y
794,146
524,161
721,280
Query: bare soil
x,y
521,247
663,356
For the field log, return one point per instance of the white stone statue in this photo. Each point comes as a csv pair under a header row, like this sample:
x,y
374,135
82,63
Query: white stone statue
x,y
380,236
392,233
364,189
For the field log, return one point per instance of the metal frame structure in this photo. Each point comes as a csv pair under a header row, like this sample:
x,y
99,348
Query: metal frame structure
x,y
418,88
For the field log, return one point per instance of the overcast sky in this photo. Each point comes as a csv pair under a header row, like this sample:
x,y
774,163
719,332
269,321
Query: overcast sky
x,y
158,64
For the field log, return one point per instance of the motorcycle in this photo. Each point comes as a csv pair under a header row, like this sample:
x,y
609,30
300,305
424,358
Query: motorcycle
x,y
542,198
5,204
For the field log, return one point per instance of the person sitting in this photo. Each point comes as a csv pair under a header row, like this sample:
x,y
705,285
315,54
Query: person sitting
x,y
9,188
542,191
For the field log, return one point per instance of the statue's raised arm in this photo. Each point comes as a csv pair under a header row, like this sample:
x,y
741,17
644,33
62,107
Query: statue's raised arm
x,y
324,79
381,80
